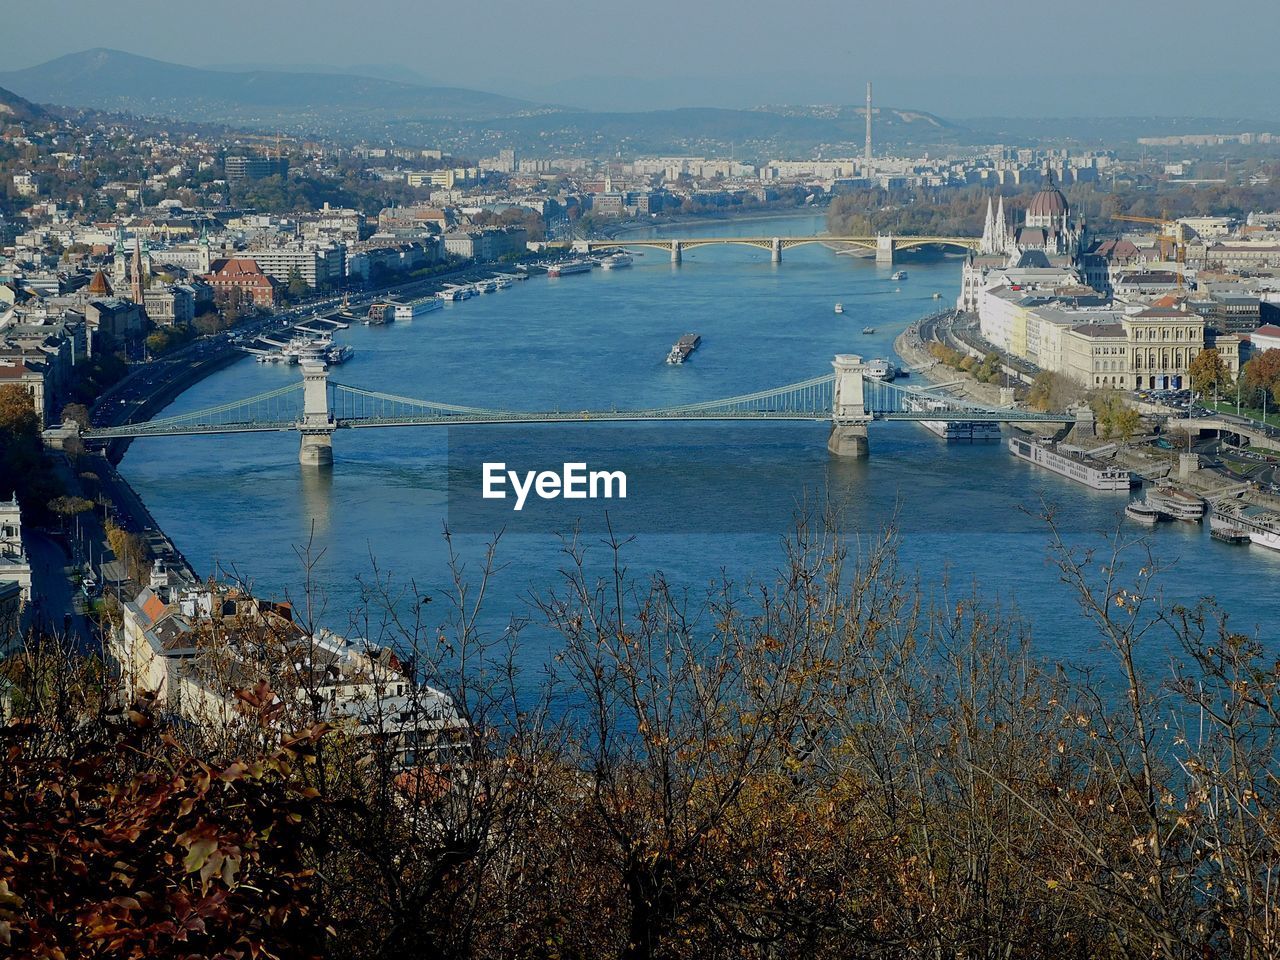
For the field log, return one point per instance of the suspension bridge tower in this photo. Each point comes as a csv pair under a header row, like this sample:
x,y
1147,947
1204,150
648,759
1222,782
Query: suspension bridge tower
x,y
849,417
317,424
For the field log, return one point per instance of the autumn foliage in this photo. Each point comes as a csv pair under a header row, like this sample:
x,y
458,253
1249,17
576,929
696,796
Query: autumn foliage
x,y
120,843
832,764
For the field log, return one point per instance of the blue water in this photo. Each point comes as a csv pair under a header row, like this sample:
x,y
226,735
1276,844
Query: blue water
x,y
591,341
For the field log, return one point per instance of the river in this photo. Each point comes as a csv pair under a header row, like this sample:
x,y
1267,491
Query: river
x,y
724,496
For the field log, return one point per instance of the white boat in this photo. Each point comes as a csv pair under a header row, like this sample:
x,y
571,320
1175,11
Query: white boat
x,y
1227,525
1139,512
339,354
568,267
616,261
307,349
953,431
839,308
1070,462
1267,532
1176,503
898,275
880,369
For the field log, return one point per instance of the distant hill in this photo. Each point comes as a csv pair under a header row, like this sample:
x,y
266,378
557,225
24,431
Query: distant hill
x,y
14,109
116,81
344,103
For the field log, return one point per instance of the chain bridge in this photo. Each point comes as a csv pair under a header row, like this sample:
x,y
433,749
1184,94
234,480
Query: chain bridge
x,y
316,407
885,245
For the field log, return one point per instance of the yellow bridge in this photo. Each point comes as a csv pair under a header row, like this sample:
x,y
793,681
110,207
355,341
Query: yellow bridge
x,y
885,245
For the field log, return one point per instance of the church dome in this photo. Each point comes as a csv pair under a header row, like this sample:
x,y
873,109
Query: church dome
x,y
1049,202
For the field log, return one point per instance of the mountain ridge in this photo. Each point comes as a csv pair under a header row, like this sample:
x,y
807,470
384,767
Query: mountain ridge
x,y
106,79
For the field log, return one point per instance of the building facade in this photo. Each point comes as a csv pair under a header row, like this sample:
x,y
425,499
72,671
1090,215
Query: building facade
x,y
240,277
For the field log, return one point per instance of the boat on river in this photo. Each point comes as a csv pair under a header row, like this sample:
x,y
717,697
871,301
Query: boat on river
x,y
1070,462
953,431
839,308
570,266
881,369
1176,503
1140,512
682,348
1267,532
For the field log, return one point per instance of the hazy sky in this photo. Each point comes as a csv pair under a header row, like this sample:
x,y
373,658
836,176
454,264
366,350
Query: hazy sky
x,y
958,58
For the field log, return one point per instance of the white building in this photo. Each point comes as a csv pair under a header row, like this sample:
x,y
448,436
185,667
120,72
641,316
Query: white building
x,y
1265,338
197,648
14,565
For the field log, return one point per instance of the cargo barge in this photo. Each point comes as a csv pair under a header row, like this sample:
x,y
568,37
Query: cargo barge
x,y
682,348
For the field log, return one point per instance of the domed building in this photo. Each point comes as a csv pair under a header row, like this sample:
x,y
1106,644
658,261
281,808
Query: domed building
x,y
1047,225
1047,241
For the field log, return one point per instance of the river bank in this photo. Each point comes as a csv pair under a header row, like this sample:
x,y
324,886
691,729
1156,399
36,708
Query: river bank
x,y
913,350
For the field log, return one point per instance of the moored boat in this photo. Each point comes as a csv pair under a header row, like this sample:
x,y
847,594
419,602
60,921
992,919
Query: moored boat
x,y
1267,532
1176,503
1070,462
568,267
880,369
953,431
1139,512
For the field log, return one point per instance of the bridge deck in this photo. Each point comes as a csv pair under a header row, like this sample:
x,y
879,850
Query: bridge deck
x,y
340,406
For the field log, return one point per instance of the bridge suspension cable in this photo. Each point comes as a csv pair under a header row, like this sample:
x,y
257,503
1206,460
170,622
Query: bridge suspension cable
x,y
277,409
814,396
355,403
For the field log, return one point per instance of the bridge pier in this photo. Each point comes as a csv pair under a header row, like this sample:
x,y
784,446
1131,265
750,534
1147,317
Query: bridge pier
x,y
777,249
884,249
317,423
316,450
849,417
676,252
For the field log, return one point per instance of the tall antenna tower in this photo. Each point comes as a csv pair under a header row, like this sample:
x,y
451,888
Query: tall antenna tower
x,y
867,155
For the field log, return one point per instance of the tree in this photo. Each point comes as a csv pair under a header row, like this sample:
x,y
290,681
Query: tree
x,y
1262,375
1053,391
76,413
130,551
1114,415
1208,372
23,470
297,287
116,842
208,323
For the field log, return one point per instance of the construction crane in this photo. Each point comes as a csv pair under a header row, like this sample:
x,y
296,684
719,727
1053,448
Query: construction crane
x,y
1169,238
